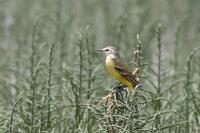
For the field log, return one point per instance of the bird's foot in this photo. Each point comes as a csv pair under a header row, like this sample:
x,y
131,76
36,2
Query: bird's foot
x,y
119,91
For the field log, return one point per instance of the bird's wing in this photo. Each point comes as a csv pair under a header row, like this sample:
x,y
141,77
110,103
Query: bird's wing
x,y
123,70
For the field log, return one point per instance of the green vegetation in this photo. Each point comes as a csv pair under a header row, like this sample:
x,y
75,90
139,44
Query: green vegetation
x,y
53,80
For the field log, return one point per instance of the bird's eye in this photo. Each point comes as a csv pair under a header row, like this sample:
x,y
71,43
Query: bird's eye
x,y
107,49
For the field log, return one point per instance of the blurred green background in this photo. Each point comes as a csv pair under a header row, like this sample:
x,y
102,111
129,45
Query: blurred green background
x,y
29,29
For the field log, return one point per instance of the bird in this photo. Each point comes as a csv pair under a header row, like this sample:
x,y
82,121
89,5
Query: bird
x,y
117,68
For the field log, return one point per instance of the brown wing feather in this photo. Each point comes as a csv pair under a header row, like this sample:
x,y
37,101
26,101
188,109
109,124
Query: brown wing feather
x,y
123,70
118,62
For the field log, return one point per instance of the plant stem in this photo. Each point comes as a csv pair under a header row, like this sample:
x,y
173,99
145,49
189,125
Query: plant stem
x,y
89,84
79,90
187,89
33,74
12,114
49,84
158,103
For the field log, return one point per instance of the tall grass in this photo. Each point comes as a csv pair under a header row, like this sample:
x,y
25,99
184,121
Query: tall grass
x,y
61,87
189,97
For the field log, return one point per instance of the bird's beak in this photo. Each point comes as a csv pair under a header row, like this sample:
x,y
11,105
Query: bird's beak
x,y
100,50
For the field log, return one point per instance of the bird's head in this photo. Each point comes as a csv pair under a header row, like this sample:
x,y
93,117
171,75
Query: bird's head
x,y
109,50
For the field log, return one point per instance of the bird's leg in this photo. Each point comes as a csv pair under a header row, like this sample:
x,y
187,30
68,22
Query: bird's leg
x,y
119,89
126,92
119,84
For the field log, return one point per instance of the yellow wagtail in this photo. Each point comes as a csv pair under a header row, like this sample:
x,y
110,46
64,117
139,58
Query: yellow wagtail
x,y
117,68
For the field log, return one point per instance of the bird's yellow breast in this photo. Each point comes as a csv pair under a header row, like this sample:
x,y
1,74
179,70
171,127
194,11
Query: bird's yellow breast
x,y
110,65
